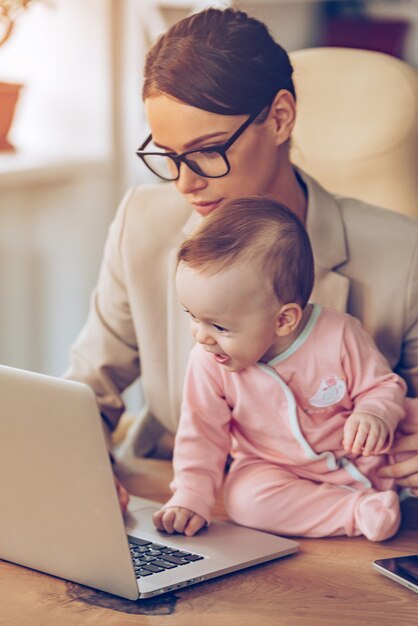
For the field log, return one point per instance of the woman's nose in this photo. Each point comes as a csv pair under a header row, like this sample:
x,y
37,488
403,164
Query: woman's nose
x,y
189,181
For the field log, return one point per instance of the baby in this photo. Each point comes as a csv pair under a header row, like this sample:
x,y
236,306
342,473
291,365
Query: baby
x,y
296,393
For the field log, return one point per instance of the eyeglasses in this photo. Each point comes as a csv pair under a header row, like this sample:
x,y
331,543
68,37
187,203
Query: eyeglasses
x,y
209,162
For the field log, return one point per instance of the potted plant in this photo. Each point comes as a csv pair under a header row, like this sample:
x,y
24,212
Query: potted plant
x,y
9,92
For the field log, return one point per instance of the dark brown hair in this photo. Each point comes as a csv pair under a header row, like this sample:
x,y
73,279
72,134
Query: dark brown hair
x,y
222,61
261,232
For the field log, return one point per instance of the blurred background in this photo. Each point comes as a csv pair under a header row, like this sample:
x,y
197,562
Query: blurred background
x,y
73,68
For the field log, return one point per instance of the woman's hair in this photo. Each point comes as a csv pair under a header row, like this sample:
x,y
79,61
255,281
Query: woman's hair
x,y
261,232
222,61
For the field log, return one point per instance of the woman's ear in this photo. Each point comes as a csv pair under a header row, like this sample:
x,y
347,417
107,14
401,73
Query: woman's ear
x,y
288,318
283,112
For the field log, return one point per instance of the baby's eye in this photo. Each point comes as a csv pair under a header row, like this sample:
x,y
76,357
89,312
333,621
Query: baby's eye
x,y
220,329
191,314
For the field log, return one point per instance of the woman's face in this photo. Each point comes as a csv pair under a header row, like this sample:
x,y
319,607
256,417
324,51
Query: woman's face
x,y
255,158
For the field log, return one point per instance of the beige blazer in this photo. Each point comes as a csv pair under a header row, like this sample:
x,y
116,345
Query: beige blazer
x,y
366,262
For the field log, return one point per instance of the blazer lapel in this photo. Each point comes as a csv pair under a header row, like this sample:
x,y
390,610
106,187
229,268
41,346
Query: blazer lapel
x,y
330,289
179,337
326,230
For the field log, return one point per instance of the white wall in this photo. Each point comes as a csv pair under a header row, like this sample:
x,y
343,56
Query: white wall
x,y
51,237
61,53
57,192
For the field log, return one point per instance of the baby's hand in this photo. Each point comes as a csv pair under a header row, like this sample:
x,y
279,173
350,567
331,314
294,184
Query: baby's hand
x,y
364,434
178,520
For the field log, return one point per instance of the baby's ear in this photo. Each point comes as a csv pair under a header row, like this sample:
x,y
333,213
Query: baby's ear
x,y
288,318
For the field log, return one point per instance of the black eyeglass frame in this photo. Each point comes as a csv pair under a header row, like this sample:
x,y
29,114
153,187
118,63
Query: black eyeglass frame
x,y
178,159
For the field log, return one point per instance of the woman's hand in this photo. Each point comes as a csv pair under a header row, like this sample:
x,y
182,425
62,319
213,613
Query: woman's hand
x,y
123,495
405,472
178,520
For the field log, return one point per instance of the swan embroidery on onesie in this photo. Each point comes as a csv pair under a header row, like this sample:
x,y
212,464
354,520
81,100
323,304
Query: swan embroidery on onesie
x,y
331,390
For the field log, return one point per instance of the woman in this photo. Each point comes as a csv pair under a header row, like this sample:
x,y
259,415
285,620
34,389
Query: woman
x,y
220,102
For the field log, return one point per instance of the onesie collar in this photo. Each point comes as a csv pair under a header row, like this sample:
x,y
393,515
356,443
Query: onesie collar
x,y
299,341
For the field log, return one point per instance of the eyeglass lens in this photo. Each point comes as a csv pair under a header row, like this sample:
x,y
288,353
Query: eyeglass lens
x,y
211,164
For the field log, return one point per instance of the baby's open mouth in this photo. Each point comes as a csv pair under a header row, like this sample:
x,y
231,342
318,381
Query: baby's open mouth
x,y
221,358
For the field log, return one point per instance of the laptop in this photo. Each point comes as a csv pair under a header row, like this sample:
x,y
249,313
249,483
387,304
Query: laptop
x,y
59,511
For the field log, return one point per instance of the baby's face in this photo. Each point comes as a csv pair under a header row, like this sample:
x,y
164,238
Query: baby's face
x,y
232,315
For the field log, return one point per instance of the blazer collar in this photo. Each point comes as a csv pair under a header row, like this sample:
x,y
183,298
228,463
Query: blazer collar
x,y
326,230
325,225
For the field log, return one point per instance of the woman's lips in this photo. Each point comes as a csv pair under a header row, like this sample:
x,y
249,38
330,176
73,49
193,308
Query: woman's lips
x,y
204,208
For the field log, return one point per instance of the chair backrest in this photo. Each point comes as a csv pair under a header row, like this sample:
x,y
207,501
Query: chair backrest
x,y
357,125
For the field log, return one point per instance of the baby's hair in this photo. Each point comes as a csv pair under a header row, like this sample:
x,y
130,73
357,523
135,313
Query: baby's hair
x,y
259,231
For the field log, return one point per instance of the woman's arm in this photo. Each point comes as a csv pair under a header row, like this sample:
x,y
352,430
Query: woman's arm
x,y
105,354
406,471
408,365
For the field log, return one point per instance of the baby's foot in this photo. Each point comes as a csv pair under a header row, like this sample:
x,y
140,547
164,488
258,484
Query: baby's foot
x,y
377,515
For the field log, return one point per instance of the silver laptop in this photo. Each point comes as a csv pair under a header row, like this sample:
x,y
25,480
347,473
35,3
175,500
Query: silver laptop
x,y
59,511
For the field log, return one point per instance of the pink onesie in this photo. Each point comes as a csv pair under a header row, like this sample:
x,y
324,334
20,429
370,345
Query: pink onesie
x,y
283,422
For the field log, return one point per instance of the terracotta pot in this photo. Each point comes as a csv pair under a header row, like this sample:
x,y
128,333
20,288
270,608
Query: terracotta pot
x,y
9,94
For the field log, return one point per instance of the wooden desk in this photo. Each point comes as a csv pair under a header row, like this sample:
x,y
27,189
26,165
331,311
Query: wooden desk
x,y
330,582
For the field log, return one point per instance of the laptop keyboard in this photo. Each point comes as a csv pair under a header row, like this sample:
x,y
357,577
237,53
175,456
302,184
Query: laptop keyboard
x,y
151,558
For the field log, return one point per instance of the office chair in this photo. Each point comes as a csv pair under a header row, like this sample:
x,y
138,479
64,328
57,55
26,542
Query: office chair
x,y
357,125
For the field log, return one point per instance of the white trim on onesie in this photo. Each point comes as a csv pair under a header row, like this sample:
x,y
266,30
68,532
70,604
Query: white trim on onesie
x,y
332,462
